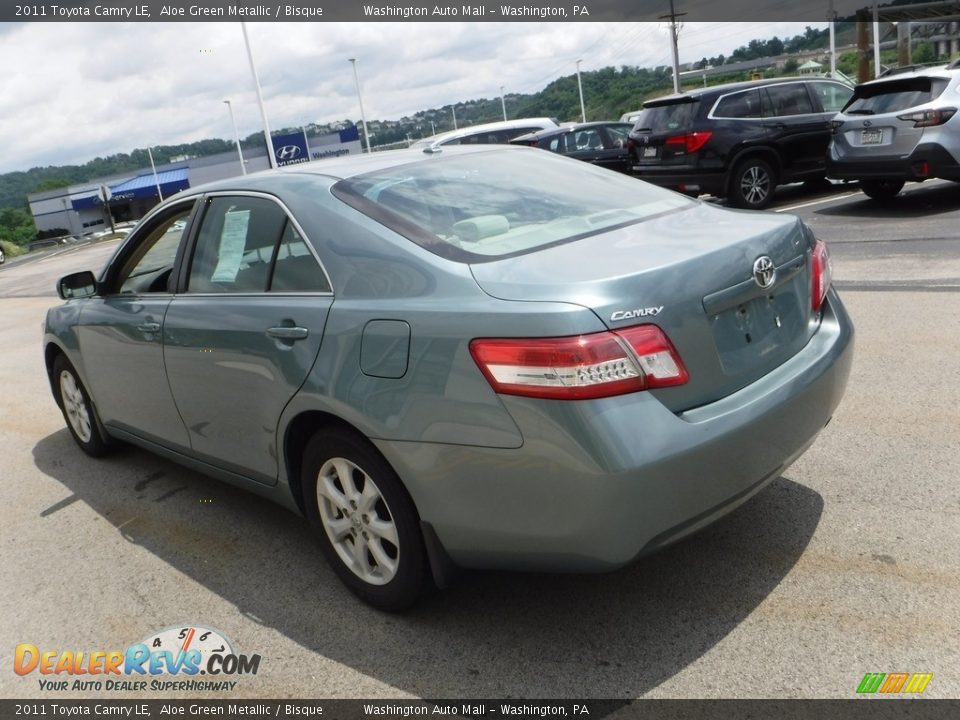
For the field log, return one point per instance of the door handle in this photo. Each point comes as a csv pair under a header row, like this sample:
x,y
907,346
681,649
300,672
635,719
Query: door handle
x,y
149,327
288,333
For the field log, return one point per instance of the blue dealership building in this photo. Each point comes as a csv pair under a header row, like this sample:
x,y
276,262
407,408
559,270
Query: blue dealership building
x,y
80,209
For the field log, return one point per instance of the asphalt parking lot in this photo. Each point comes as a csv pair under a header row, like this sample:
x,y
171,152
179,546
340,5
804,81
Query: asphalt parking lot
x,y
847,564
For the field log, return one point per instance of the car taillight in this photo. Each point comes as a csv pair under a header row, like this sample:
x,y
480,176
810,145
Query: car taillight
x,y
690,141
928,118
580,367
835,125
822,273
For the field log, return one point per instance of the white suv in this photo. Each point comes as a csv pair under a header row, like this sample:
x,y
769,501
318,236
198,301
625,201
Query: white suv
x,y
489,133
902,126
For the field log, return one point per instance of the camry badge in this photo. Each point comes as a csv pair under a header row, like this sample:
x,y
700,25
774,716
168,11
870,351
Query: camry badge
x,y
639,312
764,271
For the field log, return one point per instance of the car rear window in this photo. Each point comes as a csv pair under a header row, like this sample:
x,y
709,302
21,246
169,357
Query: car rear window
x,y
669,117
483,206
894,95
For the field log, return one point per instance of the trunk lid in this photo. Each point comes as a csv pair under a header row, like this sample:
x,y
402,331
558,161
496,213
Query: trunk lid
x,y
690,272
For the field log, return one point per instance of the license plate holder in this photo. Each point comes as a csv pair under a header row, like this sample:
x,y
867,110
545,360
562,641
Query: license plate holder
x,y
649,152
871,136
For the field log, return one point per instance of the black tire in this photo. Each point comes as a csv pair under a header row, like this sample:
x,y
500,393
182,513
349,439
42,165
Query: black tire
x,y
78,410
375,546
881,189
752,184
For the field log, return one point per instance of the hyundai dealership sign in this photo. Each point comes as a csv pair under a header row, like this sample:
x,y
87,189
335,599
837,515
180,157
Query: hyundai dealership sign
x,y
291,149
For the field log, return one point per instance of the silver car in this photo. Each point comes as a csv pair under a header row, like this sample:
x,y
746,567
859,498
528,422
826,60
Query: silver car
x,y
902,126
492,357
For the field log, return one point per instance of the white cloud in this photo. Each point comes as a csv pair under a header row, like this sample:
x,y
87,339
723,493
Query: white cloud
x,y
74,91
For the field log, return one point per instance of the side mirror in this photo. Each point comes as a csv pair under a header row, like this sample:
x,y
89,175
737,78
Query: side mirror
x,y
77,285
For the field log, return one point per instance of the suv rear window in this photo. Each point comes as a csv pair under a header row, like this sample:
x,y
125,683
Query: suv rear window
x,y
894,95
669,117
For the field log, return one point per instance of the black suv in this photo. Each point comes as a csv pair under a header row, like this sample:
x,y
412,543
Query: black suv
x,y
739,140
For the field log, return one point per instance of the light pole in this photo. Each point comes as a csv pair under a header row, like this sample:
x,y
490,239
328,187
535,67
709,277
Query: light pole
x,y
236,135
271,155
503,103
156,180
583,109
363,116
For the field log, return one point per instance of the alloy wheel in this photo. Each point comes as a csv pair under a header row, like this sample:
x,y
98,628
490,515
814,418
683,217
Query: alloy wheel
x,y
75,406
358,521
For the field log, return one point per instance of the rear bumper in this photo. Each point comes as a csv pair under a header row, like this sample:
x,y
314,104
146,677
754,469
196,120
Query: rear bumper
x,y
598,483
928,160
684,180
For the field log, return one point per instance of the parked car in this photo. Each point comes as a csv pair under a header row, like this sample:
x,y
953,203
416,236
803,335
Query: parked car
x,y
486,133
3,257
739,140
600,143
631,117
902,126
489,357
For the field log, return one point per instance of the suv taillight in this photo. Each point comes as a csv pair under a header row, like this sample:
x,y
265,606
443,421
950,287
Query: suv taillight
x,y
929,118
822,274
690,141
580,367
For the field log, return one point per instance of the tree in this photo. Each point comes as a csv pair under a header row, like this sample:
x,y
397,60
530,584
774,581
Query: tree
x,y
924,53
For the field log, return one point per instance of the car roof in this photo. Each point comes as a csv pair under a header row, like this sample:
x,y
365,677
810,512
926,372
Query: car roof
x,y
574,127
712,90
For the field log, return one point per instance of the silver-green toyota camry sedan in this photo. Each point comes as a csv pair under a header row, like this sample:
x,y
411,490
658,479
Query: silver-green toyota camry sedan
x,y
482,358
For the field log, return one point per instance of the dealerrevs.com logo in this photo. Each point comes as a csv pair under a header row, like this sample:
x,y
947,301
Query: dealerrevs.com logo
x,y
894,683
185,651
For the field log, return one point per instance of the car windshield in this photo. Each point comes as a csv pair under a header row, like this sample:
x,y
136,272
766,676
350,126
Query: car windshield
x,y
894,96
488,205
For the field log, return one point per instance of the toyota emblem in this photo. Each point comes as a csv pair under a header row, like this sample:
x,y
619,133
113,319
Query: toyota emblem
x,y
764,271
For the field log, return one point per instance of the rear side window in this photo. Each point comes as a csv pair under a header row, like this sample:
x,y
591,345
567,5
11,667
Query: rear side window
x,y
894,95
739,105
248,245
672,117
784,100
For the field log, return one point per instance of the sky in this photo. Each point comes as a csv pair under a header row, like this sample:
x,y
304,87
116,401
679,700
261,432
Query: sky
x,y
75,91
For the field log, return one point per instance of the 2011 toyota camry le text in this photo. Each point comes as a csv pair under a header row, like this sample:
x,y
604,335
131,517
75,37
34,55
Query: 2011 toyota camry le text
x,y
487,357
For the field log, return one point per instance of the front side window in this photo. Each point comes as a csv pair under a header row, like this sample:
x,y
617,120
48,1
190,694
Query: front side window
x,y
248,245
833,96
148,268
618,135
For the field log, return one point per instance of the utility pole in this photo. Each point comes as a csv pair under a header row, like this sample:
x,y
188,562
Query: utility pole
x,y
832,19
503,103
583,109
903,43
453,109
876,41
674,34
